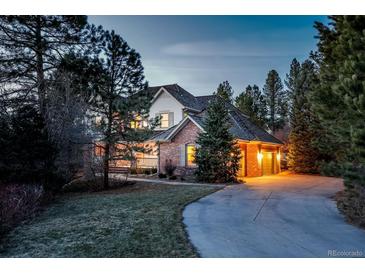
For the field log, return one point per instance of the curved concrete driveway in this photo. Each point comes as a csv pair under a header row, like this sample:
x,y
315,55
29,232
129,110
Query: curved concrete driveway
x,y
273,216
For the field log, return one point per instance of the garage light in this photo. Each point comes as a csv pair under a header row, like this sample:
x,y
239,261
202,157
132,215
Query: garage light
x,y
259,156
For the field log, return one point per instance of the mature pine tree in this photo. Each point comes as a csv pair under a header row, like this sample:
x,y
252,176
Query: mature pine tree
x,y
293,79
341,55
252,103
340,102
303,156
217,155
276,101
120,100
225,91
30,48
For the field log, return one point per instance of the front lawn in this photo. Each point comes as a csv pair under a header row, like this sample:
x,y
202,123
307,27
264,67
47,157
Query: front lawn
x,y
142,220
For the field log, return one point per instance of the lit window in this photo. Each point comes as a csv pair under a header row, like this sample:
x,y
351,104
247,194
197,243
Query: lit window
x,y
190,155
99,149
164,120
138,123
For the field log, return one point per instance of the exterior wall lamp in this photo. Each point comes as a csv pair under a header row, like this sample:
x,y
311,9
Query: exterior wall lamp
x,y
259,157
278,156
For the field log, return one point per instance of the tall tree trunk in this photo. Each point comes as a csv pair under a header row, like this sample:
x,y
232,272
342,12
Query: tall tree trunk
x,y
272,115
106,165
39,66
107,146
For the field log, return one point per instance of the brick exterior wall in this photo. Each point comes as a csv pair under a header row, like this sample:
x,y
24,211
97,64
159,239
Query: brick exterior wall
x,y
172,151
253,166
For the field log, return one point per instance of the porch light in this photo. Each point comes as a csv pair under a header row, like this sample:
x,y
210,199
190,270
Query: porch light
x,y
259,156
278,156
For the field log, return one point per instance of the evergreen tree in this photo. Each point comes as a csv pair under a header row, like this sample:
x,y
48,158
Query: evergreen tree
x,y
276,101
225,91
218,154
120,100
340,103
26,154
31,48
293,79
341,58
303,156
252,103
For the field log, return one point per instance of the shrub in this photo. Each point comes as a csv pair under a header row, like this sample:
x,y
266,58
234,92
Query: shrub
x,y
169,167
147,171
352,204
332,169
27,155
162,175
154,170
17,203
173,177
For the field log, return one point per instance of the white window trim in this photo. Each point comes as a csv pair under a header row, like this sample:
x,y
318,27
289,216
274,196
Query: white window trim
x,y
168,118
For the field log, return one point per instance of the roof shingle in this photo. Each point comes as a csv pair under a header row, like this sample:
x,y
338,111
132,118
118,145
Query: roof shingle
x,y
241,125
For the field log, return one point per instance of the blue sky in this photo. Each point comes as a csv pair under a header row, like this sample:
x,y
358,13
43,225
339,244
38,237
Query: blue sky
x,y
199,52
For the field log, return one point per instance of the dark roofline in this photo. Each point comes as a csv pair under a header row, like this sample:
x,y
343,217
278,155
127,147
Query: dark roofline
x,y
244,123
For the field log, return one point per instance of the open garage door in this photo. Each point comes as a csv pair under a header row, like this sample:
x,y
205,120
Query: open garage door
x,y
268,163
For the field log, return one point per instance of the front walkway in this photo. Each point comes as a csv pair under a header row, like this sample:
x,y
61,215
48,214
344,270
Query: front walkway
x,y
273,216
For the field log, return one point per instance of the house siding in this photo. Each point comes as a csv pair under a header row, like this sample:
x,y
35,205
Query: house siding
x,y
167,103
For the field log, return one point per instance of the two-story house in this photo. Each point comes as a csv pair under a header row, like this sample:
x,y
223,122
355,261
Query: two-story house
x,y
182,118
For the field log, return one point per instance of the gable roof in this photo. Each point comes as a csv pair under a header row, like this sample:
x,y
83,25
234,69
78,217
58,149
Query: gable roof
x,y
241,125
181,95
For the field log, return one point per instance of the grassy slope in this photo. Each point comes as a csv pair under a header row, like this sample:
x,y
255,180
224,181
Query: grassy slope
x,y
136,221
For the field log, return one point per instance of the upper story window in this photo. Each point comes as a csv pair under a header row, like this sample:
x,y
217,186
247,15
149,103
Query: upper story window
x,y
166,119
138,123
190,155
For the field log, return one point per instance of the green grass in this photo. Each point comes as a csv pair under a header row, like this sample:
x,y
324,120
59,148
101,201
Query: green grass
x,y
143,220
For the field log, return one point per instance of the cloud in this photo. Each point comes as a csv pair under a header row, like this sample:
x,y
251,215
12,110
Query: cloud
x,y
233,48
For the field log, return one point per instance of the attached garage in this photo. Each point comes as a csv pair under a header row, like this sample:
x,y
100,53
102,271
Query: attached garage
x,y
270,163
